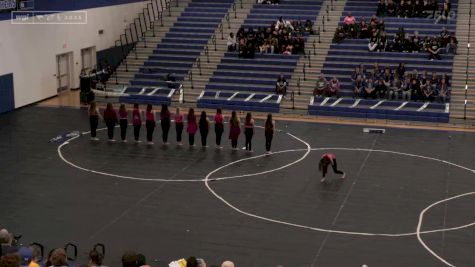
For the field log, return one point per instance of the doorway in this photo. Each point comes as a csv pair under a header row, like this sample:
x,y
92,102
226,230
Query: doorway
x,y
88,59
65,71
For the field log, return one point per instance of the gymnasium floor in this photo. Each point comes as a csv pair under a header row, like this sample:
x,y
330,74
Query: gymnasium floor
x,y
173,202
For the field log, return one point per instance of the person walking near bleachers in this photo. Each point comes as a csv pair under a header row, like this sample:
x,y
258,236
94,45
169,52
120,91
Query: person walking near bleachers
x,y
110,118
93,120
269,129
204,128
249,131
218,127
123,122
178,126
234,130
136,122
165,122
150,123
192,126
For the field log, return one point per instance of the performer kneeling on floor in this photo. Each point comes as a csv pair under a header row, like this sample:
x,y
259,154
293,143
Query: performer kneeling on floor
x,y
326,160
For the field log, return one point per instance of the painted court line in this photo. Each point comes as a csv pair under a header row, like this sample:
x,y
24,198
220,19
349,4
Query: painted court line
x,y
219,197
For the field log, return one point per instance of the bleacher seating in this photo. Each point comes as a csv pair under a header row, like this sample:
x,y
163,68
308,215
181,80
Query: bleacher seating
x,y
147,95
183,44
379,109
342,58
240,101
259,75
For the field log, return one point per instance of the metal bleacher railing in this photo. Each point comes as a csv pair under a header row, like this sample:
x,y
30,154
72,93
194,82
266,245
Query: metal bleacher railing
x,y
136,31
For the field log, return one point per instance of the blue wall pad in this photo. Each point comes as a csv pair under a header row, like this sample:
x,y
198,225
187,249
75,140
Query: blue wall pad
x,y
7,96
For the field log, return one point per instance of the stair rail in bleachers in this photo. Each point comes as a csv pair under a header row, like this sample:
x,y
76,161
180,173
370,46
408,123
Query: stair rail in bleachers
x,y
228,20
213,41
220,27
137,31
206,50
298,85
304,67
198,64
234,9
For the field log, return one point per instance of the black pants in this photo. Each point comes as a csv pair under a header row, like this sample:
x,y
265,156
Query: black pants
x,y
191,139
93,122
137,132
179,131
234,143
249,132
123,129
218,129
150,125
204,136
335,169
268,141
432,56
165,130
110,129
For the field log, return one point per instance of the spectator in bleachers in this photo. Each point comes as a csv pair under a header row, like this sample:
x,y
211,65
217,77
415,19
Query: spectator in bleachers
x,y
382,42
363,28
395,90
434,51
321,86
350,25
110,118
426,89
358,87
339,35
381,89
401,70
204,128
369,90
391,9
387,77
281,85
333,87
231,43
443,92
381,11
445,11
357,72
373,43
452,45
5,242
415,88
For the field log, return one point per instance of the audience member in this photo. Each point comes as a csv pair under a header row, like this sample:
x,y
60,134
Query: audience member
x,y
281,85
321,86
333,87
231,43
